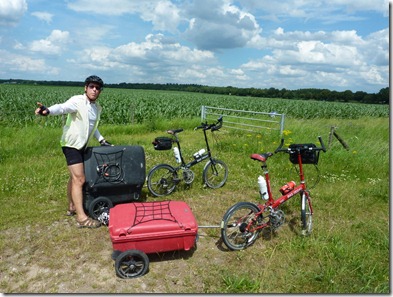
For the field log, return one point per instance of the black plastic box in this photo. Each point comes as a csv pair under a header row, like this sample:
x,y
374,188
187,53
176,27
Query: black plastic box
x,y
114,174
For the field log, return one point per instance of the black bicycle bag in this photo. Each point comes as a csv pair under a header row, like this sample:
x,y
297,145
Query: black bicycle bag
x,y
162,143
308,156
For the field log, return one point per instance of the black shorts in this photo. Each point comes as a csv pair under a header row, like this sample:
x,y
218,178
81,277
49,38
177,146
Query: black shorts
x,y
72,155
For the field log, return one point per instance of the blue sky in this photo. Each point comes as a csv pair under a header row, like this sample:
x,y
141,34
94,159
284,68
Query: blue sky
x,y
293,44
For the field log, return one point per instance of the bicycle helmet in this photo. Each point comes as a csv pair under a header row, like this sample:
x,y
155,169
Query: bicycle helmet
x,y
94,79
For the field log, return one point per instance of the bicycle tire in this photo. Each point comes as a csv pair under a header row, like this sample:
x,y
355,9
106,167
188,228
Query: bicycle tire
x,y
233,223
215,173
306,215
161,180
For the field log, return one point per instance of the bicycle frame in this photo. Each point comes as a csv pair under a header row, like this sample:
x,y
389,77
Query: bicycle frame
x,y
302,187
206,155
272,203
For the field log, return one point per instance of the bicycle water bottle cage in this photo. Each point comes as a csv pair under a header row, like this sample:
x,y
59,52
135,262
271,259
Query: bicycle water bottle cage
x,y
261,157
174,131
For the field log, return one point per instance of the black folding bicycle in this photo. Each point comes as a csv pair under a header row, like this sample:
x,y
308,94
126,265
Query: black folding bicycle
x,y
162,179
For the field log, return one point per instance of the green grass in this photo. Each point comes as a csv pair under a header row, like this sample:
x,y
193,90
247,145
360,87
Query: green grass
x,y
348,251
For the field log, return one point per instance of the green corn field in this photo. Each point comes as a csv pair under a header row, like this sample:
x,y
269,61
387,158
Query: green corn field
x,y
124,106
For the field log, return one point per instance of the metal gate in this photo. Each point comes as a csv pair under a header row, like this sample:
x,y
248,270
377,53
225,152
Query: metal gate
x,y
252,121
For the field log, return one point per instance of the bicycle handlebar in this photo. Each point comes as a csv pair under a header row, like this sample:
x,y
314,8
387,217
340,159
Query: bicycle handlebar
x,y
290,150
213,127
322,144
280,146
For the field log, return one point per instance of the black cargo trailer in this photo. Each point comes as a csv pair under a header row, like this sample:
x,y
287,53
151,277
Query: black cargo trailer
x,y
114,174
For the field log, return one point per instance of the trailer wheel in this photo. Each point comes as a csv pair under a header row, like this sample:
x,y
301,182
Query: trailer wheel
x,y
98,206
131,263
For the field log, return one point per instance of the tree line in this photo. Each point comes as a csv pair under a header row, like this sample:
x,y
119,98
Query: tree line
x,y
382,97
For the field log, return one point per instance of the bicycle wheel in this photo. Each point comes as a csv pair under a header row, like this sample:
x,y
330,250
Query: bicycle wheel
x,y
215,173
234,231
306,215
161,180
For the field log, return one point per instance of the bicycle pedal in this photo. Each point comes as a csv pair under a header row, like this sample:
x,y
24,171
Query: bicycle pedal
x,y
176,181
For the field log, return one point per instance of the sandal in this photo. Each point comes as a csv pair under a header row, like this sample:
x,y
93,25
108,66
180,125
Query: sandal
x,y
88,223
70,213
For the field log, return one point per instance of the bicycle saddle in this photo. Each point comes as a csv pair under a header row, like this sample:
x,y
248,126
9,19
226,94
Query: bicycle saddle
x,y
261,157
174,131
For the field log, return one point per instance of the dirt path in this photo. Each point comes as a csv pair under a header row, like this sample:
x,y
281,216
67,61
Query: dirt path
x,y
63,259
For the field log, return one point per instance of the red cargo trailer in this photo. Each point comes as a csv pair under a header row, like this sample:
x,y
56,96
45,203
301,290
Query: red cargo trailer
x,y
141,228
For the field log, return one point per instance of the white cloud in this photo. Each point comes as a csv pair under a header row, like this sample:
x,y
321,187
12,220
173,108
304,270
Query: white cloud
x,y
343,48
163,14
11,11
157,58
212,24
332,59
220,25
52,45
316,52
376,48
43,16
113,7
96,54
157,47
323,10
22,64
380,6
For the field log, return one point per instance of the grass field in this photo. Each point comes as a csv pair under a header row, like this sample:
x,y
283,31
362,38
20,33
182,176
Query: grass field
x,y
42,251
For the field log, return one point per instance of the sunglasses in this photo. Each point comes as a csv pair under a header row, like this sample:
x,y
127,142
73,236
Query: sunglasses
x,y
98,88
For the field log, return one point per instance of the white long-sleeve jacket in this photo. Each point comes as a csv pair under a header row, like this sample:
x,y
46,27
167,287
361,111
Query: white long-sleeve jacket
x,y
82,121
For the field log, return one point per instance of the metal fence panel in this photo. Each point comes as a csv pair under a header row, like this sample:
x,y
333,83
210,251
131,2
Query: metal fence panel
x,y
252,121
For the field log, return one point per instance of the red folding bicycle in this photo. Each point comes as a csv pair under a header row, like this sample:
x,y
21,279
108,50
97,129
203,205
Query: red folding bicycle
x,y
243,222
